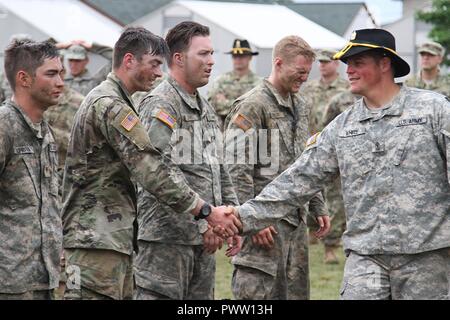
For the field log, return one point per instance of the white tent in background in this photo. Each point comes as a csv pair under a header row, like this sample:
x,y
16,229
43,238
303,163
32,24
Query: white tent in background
x,y
263,25
63,20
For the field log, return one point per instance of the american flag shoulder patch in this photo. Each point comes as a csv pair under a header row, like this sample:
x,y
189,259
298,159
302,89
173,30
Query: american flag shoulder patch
x,y
242,122
129,121
166,118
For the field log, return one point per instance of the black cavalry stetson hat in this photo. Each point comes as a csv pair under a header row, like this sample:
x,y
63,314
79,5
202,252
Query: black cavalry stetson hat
x,y
241,47
369,39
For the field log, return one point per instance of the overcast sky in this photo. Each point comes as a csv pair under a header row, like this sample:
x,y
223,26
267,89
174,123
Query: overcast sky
x,y
384,11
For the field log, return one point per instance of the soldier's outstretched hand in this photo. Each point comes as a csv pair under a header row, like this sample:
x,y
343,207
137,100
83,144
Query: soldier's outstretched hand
x,y
226,224
324,223
264,238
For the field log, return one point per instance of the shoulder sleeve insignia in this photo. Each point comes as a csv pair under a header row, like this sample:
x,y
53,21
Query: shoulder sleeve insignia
x,y
166,118
313,139
129,121
242,122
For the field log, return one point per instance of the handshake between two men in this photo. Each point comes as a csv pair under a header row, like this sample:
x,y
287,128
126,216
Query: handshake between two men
x,y
227,222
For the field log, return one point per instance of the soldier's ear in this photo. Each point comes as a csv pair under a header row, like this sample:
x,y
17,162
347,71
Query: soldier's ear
x,y
178,59
128,60
23,79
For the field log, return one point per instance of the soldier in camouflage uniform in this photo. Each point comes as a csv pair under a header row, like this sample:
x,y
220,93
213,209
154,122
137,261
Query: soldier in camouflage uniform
x,y
333,196
430,77
173,114
108,147
60,117
391,150
231,85
273,264
80,78
30,224
319,92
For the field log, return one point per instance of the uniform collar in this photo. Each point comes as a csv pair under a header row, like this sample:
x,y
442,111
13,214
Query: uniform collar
x,y
278,97
112,77
34,127
394,108
189,99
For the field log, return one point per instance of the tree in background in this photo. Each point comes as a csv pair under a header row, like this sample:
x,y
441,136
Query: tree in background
x,y
439,18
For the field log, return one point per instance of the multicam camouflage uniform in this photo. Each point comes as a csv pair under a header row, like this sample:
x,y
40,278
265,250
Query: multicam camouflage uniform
x,y
108,147
396,186
440,85
86,82
231,86
281,272
30,224
318,95
60,117
176,120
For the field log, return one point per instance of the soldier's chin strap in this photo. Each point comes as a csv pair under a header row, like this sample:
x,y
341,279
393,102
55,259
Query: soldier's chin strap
x,y
350,45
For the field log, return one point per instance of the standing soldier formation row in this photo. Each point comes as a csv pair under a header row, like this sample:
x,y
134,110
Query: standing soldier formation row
x,y
390,150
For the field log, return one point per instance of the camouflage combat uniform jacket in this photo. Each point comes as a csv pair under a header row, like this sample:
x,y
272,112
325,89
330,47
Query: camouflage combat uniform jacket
x,y
395,176
30,223
108,147
263,111
232,87
178,122
60,117
440,85
318,95
86,82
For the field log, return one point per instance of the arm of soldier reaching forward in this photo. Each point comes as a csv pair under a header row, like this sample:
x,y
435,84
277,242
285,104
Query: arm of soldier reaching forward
x,y
315,168
126,134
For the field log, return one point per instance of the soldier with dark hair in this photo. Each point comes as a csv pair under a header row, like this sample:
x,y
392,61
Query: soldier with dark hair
x,y
30,223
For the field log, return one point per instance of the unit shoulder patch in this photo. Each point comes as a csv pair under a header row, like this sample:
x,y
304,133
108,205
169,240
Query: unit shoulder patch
x,y
313,139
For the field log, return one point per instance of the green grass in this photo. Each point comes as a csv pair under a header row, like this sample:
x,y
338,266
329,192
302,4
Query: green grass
x,y
325,279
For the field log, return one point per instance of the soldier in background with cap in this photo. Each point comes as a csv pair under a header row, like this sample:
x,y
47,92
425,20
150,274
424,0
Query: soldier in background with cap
x,y
391,150
318,92
429,77
80,78
231,85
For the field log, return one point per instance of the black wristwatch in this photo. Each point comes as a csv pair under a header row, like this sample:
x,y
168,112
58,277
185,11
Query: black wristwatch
x,y
205,211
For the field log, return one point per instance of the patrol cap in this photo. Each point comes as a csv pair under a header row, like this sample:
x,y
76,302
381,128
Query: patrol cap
x,y
431,47
241,47
76,52
368,39
325,55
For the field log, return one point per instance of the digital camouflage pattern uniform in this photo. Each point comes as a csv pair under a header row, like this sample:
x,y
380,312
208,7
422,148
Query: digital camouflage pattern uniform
x,y
5,89
30,223
440,85
394,166
281,272
86,82
60,117
232,87
180,122
318,95
109,147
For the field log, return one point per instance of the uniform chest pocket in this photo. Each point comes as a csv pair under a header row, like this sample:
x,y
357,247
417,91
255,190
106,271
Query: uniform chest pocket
x,y
408,130
357,152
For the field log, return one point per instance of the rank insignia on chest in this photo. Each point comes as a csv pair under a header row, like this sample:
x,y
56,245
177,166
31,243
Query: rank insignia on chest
x,y
242,122
166,118
129,121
